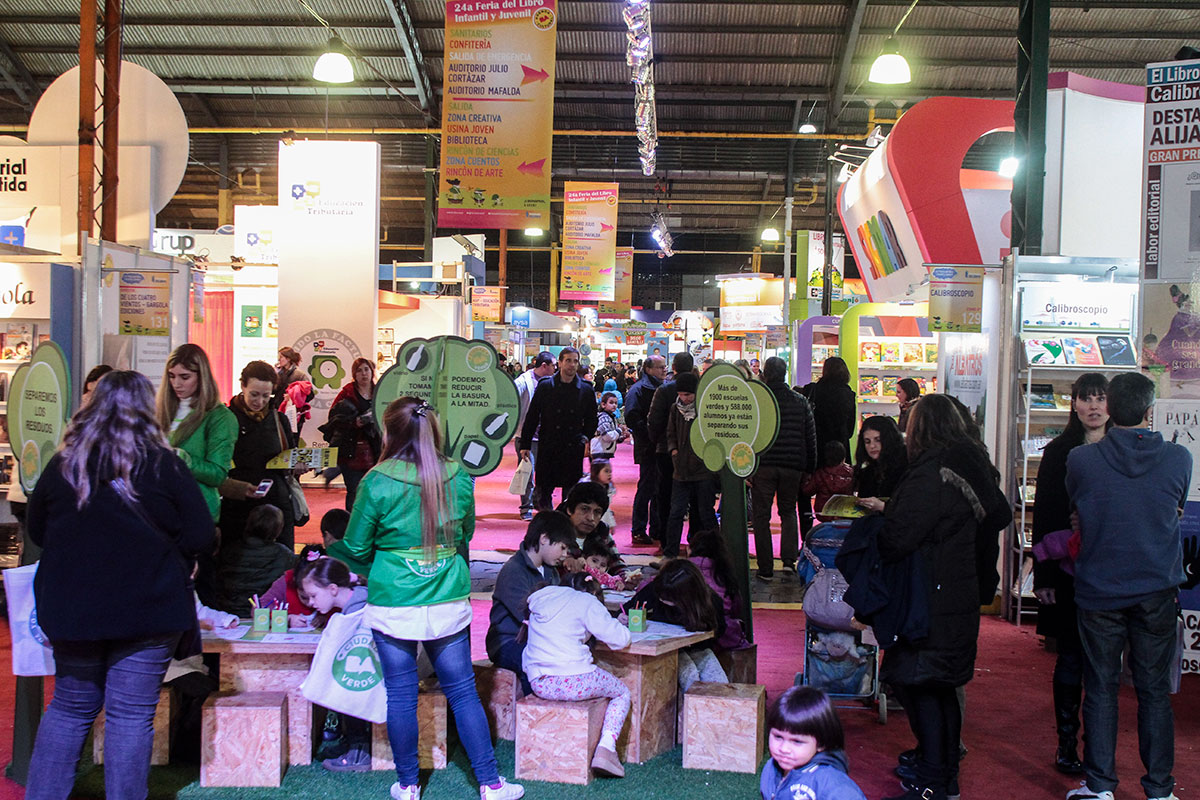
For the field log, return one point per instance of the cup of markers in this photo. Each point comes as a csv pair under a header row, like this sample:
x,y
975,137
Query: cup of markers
x,y
637,618
279,619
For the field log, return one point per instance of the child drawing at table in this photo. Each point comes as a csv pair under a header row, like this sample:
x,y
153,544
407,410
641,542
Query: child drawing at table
x,y
597,557
285,591
806,744
559,663
710,554
679,595
329,586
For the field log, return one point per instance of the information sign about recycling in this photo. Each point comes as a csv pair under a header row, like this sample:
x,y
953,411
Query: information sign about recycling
x,y
39,407
475,399
736,419
497,114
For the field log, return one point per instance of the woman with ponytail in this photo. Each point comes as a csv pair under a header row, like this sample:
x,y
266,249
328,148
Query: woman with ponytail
x,y
413,518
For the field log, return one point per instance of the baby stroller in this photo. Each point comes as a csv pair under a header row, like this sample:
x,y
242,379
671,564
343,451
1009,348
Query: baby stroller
x,y
841,661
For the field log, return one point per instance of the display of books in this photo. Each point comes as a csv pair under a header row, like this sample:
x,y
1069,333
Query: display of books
x,y
1041,395
868,385
1044,351
1116,351
870,353
1082,351
844,506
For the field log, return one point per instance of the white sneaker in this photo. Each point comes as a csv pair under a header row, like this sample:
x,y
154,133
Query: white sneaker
x,y
505,791
1084,793
1171,796
405,792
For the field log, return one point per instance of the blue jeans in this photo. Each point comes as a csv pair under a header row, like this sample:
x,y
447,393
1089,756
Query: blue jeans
x,y
510,656
1149,628
451,657
123,676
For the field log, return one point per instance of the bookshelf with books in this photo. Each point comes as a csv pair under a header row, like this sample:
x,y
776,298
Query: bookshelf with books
x,y
883,361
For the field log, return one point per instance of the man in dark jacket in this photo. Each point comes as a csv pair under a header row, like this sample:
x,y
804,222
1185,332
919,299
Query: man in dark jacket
x,y
692,486
656,426
637,412
1129,490
562,415
781,470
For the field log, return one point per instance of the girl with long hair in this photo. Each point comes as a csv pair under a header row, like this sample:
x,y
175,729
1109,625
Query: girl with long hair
x,y
1055,588
879,461
947,512
415,516
200,428
119,520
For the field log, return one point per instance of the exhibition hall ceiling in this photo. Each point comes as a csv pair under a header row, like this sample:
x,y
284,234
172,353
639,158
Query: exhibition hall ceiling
x,y
736,76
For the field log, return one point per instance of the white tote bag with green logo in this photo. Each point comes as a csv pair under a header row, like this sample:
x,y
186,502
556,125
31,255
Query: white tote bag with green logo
x,y
346,674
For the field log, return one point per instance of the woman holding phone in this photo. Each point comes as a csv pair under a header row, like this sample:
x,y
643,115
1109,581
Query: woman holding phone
x,y
263,433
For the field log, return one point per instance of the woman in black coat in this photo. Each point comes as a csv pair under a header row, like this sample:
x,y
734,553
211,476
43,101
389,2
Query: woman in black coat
x,y
835,406
263,433
120,520
1055,589
947,509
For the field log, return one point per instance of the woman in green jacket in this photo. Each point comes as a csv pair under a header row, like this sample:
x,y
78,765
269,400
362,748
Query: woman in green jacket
x,y
414,510
199,426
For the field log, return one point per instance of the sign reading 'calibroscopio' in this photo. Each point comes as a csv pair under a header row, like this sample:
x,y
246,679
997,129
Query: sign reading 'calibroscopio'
x,y
497,113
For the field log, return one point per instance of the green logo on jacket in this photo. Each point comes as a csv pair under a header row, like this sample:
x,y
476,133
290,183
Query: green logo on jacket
x,y
356,665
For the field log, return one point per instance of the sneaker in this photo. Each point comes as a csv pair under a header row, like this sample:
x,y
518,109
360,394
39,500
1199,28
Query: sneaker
x,y
526,515
405,792
606,761
642,540
789,568
503,790
356,759
765,577
908,758
1084,793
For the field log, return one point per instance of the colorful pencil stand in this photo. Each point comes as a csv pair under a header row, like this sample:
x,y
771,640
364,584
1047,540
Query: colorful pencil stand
x,y
637,620
279,620
262,620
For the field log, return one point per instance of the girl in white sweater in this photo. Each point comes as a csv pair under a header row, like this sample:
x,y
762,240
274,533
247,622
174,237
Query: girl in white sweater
x,y
559,663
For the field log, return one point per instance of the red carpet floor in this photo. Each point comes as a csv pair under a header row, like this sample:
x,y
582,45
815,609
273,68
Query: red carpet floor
x,y
1009,725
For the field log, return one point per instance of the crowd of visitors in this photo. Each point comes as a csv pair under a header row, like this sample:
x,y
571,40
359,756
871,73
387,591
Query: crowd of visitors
x,y
157,510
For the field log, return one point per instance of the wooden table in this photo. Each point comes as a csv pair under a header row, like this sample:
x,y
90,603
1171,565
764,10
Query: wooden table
x,y
264,666
650,668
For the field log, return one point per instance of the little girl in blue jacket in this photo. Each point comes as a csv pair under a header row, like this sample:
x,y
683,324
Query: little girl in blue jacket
x,y
806,745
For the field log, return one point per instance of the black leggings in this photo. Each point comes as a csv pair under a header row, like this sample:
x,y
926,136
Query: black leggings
x,y
936,721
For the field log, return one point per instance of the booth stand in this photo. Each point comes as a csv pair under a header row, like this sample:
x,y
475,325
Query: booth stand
x,y
1069,316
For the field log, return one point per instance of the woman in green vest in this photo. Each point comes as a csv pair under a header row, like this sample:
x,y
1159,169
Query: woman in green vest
x,y
414,515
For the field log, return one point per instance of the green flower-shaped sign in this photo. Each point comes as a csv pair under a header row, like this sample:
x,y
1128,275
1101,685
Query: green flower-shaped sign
x,y
476,400
38,409
736,419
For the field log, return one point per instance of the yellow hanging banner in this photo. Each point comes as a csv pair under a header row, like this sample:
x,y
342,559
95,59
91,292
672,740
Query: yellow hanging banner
x,y
589,252
497,114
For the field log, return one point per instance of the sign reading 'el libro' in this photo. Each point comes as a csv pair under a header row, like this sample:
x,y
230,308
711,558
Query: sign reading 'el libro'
x,y
497,113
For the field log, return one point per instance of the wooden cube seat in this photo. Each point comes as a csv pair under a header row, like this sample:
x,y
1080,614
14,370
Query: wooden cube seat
x,y
556,740
499,690
431,735
723,726
244,739
164,731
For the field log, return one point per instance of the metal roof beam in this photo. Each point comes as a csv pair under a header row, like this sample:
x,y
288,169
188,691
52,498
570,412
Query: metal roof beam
x,y
837,92
18,77
407,34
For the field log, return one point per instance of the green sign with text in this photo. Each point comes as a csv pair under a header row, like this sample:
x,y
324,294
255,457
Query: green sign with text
x,y
736,419
475,399
38,410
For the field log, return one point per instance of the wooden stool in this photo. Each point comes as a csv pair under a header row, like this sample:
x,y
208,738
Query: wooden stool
x,y
741,665
431,735
556,740
244,739
723,726
499,690
164,731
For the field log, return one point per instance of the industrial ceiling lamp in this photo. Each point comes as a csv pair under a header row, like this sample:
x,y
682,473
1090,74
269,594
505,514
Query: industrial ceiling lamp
x,y
334,64
770,235
890,67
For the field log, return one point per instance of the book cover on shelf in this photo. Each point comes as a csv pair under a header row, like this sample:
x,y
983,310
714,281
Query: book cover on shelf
x,y
1041,395
1044,351
868,386
1034,445
887,385
1062,402
913,353
869,352
889,353
931,353
1081,351
1116,351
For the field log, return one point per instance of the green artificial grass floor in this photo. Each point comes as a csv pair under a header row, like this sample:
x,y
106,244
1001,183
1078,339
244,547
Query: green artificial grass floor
x,y
661,777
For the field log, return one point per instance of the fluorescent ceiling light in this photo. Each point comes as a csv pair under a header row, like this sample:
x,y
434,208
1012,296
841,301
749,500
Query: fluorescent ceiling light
x,y
890,67
334,66
1009,167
